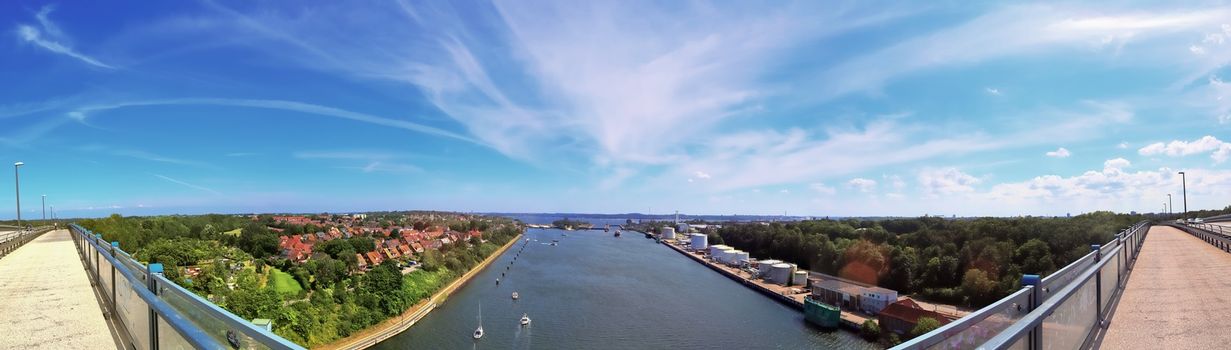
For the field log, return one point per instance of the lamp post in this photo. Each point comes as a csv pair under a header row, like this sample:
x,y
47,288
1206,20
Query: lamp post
x,y
1184,187
17,183
1170,206
44,207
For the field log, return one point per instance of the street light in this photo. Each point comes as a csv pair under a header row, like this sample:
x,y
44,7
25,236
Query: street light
x,y
1184,184
17,183
1170,206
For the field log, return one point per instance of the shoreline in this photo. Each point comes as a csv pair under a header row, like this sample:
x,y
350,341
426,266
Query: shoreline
x,y
846,321
392,326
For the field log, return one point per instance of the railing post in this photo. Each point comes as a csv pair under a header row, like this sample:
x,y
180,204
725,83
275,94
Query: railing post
x,y
114,246
1098,285
152,284
1036,334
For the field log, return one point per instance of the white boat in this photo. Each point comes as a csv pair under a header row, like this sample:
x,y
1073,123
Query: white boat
x,y
514,295
478,333
525,320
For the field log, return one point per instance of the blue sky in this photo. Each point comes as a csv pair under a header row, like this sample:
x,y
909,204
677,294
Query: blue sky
x,y
807,108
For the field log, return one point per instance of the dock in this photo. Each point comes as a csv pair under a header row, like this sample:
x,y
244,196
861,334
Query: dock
x,y
781,294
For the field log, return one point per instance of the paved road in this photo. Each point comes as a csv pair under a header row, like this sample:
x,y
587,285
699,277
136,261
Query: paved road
x,y
46,301
1176,298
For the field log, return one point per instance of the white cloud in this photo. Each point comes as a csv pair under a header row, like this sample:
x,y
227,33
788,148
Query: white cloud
x,y
1118,163
1220,150
1196,50
1122,145
822,189
1059,153
993,91
946,181
784,191
702,175
54,39
862,184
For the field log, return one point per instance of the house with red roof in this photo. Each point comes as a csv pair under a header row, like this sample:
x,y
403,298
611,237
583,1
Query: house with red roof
x,y
374,258
903,315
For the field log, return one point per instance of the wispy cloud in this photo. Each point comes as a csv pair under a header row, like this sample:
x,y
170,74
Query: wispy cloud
x,y
206,189
54,39
143,155
372,161
1059,153
81,114
993,91
241,154
1013,30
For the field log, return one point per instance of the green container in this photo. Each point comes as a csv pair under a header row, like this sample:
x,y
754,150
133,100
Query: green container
x,y
821,314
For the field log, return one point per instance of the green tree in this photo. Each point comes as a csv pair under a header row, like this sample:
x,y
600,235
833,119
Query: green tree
x,y
977,286
924,325
1035,257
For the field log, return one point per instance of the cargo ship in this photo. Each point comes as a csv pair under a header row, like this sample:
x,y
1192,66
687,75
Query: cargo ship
x,y
821,314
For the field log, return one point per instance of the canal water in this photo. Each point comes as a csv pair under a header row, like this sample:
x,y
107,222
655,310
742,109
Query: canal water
x,y
595,291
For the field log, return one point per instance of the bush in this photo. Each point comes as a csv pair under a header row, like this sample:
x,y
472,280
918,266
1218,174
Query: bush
x,y
870,330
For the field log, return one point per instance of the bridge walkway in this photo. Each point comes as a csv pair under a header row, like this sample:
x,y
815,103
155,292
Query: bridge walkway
x,y
1177,297
46,301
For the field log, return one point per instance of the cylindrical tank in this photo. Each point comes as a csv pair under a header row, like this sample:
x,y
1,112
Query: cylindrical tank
x,y
728,254
700,241
668,232
764,266
738,258
682,227
716,250
780,273
799,278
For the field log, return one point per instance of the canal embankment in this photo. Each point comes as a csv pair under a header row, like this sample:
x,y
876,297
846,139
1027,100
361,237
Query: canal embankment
x,y
394,325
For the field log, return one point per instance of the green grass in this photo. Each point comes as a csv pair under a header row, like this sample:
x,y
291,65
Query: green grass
x,y
234,232
283,282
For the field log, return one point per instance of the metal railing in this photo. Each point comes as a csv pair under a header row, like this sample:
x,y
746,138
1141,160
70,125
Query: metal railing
x,y
1063,311
1217,235
10,241
153,313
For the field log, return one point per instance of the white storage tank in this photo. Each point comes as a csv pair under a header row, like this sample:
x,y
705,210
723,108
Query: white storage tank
x,y
799,278
700,241
668,232
682,227
728,254
738,258
764,265
716,250
779,273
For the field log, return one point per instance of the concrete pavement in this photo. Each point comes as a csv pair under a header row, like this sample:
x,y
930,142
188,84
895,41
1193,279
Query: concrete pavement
x,y
46,301
1177,297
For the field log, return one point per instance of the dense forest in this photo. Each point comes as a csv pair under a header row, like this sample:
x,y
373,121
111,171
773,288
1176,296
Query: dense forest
x,y
239,263
968,262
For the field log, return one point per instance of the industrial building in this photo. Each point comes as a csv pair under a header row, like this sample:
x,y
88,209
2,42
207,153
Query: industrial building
x,y
852,295
700,241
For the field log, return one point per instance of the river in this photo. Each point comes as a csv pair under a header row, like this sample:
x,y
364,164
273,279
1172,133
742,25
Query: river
x,y
595,291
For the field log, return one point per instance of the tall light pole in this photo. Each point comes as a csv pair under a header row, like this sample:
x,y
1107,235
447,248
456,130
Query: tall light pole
x,y
1170,206
17,183
1184,186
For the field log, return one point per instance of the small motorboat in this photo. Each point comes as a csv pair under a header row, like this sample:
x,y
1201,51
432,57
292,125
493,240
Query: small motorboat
x,y
525,320
478,333
514,295
617,234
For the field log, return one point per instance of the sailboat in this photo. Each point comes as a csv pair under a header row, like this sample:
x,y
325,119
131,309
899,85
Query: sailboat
x,y
478,333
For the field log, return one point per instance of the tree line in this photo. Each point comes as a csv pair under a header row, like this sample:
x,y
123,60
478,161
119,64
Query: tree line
x,y
970,262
